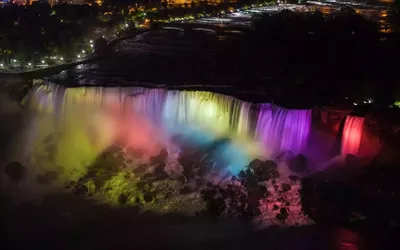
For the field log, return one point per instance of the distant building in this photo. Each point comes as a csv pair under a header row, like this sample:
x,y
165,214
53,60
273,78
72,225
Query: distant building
x,y
72,2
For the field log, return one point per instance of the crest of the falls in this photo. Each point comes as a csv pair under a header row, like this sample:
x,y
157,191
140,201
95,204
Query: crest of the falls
x,y
351,138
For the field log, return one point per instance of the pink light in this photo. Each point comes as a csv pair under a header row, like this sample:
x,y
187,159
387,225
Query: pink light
x,y
352,131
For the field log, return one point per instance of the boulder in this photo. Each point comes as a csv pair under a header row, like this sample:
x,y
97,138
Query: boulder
x,y
285,187
267,170
255,164
160,158
122,199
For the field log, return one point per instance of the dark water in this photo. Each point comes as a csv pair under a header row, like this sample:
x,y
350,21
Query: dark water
x,y
72,223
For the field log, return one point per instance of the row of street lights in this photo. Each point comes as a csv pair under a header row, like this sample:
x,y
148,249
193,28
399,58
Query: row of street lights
x,y
61,59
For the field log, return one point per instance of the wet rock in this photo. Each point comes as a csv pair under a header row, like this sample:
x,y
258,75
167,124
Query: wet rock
x,y
148,197
15,171
161,157
294,178
148,176
267,170
182,180
120,156
113,149
203,170
298,164
122,199
254,198
188,173
209,194
283,214
140,169
185,190
159,172
70,184
81,190
285,187
242,174
255,164
199,182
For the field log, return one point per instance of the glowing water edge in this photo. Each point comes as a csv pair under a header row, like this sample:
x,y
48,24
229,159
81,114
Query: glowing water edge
x,y
165,150
352,131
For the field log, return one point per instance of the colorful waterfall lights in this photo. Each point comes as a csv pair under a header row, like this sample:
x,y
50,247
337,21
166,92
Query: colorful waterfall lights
x,y
352,132
283,129
144,117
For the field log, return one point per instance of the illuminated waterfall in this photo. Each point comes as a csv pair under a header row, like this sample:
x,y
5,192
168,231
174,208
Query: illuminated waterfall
x,y
215,112
144,114
282,129
352,131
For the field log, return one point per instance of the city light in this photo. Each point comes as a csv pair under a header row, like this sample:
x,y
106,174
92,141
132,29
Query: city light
x,y
42,61
14,60
126,25
91,45
61,58
1,65
91,41
79,56
30,64
83,51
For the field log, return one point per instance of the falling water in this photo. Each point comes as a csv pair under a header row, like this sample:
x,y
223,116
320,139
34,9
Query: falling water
x,y
352,131
282,129
203,116
215,112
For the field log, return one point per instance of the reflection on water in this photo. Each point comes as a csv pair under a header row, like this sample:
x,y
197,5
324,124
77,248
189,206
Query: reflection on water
x,y
346,239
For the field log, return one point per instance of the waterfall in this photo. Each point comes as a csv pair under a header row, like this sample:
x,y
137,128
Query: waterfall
x,y
281,129
352,131
203,116
219,113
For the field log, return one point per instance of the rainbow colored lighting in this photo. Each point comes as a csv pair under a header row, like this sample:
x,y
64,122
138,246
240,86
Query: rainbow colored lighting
x,y
142,117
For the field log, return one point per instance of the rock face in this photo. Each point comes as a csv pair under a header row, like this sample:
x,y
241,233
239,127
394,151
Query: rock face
x,y
15,171
160,158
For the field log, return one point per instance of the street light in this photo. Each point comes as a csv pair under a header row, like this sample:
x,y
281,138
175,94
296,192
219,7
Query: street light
x,y
83,51
14,60
61,58
1,65
30,64
91,41
79,56
91,45
42,61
